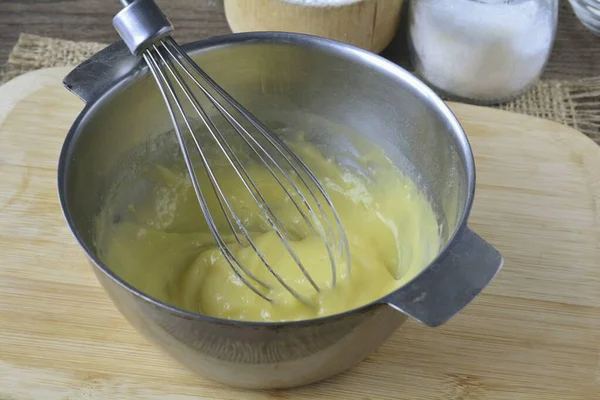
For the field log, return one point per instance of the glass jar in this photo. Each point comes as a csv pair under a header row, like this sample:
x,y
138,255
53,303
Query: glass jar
x,y
481,51
588,12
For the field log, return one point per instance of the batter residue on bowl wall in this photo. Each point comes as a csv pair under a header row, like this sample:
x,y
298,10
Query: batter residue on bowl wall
x,y
165,249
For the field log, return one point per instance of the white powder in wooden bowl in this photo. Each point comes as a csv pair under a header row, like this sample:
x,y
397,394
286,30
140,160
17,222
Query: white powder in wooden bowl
x,y
323,3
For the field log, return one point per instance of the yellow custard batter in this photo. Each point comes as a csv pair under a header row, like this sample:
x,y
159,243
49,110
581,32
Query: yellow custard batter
x,y
166,250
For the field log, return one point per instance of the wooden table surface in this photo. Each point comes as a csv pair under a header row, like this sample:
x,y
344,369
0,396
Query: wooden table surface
x,y
576,52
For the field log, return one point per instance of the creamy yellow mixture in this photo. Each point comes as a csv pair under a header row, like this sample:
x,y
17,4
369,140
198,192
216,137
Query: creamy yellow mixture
x,y
164,247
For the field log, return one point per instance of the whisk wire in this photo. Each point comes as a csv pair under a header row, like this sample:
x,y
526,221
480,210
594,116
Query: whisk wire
x,y
252,142
245,135
287,154
147,32
166,88
241,173
243,176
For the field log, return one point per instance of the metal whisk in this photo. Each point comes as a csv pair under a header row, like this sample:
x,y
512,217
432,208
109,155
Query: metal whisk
x,y
147,33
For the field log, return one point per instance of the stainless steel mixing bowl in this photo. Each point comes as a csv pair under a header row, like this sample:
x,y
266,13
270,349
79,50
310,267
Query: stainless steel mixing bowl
x,y
327,89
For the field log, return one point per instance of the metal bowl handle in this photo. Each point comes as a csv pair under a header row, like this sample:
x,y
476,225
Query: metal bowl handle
x,y
96,75
451,283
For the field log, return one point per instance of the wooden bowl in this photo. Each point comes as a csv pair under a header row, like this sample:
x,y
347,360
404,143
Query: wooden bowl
x,y
369,24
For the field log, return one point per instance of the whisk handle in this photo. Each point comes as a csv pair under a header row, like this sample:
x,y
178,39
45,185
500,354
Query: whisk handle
x,y
140,24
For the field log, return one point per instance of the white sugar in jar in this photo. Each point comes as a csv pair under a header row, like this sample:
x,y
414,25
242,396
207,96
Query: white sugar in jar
x,y
481,51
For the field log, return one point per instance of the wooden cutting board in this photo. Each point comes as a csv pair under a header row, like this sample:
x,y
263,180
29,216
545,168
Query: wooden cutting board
x,y
533,334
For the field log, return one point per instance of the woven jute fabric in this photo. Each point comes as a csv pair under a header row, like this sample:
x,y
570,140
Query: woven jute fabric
x,y
575,103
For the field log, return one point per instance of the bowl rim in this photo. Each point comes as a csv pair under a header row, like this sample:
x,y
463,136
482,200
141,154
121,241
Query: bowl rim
x,y
273,37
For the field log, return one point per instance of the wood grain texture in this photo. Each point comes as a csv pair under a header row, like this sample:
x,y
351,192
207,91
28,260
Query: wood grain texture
x,y
533,334
91,20
576,52
369,24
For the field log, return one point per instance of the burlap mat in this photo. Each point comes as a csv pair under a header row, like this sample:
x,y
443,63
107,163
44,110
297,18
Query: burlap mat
x,y
575,103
